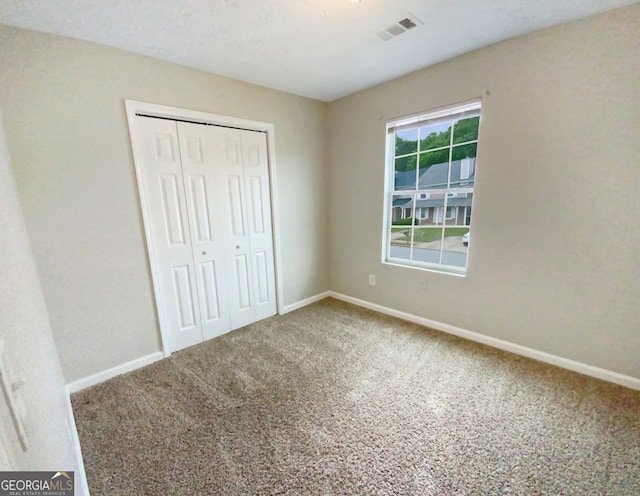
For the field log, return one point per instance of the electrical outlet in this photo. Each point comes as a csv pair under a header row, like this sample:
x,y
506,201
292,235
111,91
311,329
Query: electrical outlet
x,y
372,279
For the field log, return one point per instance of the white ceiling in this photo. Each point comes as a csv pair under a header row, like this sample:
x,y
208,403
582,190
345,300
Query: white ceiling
x,y
323,49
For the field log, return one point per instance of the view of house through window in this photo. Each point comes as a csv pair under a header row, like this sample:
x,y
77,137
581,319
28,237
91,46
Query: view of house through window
x,y
432,176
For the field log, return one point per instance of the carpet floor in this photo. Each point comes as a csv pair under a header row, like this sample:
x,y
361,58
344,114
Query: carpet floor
x,y
333,399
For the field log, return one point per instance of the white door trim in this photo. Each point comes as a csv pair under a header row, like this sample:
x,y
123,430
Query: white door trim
x,y
132,108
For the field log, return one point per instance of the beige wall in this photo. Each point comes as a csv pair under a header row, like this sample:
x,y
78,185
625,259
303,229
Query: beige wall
x,y
29,346
67,131
555,259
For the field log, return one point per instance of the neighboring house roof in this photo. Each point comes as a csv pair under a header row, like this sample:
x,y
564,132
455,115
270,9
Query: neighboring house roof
x,y
402,202
451,202
433,177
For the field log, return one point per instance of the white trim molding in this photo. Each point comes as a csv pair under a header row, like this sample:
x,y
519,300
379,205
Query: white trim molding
x,y
305,302
105,375
73,432
541,356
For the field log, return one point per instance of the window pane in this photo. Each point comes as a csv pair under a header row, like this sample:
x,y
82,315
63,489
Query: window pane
x,y
400,241
426,244
464,151
463,165
434,169
466,130
424,208
454,251
435,136
406,142
405,173
402,210
461,209
429,211
422,214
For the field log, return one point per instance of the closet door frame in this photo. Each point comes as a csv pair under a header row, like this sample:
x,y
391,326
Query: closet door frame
x,y
150,109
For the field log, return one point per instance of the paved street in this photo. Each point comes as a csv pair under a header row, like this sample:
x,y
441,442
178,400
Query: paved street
x,y
455,253
458,259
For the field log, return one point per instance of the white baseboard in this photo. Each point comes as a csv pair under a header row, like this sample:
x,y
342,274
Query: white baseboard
x,y
541,356
81,476
94,379
305,302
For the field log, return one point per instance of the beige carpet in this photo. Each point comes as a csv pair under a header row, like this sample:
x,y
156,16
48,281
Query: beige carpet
x,y
333,399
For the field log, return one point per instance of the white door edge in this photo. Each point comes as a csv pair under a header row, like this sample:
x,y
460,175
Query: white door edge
x,y
151,109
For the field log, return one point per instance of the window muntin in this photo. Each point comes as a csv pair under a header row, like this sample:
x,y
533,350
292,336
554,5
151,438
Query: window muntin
x,y
432,168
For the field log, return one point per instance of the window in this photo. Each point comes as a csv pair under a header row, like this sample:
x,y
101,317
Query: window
x,y
431,165
422,213
449,213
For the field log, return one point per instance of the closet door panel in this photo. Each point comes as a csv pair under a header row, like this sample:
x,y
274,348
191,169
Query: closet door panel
x,y
256,179
234,210
203,190
184,301
235,205
200,204
209,277
168,228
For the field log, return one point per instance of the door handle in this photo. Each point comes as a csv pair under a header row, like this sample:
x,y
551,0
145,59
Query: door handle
x,y
237,247
204,252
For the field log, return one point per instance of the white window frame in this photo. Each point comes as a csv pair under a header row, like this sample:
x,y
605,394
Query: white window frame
x,y
467,109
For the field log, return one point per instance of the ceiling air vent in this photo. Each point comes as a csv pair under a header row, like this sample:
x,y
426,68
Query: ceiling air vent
x,y
397,28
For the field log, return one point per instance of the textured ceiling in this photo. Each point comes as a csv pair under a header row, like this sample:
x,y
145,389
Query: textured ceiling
x,y
323,49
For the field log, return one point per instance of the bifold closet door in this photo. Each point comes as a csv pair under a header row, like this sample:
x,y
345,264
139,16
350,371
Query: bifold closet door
x,y
255,159
205,191
167,221
227,178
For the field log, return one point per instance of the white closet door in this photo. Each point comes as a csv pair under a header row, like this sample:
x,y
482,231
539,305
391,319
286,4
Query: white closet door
x,y
166,211
204,189
228,168
207,202
235,234
256,180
